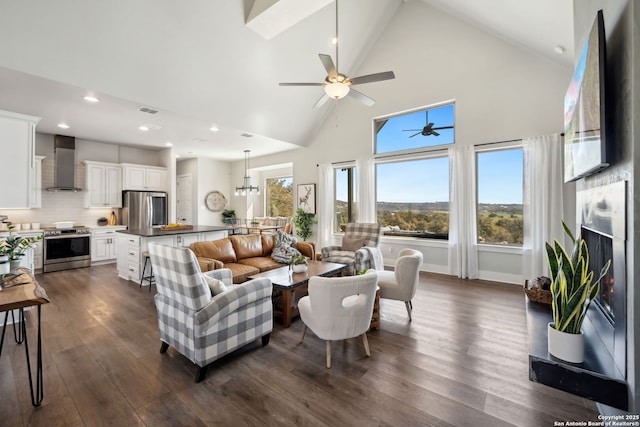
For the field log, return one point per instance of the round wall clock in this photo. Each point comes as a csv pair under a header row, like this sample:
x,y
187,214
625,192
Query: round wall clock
x,y
215,201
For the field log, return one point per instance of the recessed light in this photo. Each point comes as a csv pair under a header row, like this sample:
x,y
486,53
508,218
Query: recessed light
x,y
214,128
334,41
177,155
91,99
144,128
63,126
168,144
559,49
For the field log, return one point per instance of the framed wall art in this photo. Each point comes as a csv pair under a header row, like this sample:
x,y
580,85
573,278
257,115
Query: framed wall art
x,y
307,197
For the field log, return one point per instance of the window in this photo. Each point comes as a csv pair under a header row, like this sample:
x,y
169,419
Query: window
x,y
279,196
413,197
500,180
345,197
429,127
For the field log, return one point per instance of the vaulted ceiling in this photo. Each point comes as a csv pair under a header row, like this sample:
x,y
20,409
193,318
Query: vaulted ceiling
x,y
201,65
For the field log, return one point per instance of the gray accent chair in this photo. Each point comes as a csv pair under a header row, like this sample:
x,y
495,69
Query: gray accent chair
x,y
362,235
197,324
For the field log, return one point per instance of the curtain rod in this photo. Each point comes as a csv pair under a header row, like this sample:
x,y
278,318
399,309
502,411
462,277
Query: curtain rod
x,y
497,142
503,142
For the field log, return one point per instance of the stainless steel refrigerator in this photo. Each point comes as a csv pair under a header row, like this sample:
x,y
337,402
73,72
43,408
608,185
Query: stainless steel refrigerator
x,y
144,209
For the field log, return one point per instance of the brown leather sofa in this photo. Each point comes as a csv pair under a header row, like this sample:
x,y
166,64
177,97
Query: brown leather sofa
x,y
244,255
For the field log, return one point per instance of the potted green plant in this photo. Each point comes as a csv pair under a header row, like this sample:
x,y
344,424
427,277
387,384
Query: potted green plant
x,y
572,290
228,215
303,221
15,246
299,264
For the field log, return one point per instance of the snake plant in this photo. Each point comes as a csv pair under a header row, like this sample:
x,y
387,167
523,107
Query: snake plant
x,y
572,285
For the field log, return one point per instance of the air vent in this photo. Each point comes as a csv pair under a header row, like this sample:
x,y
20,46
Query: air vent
x,y
148,110
199,140
246,135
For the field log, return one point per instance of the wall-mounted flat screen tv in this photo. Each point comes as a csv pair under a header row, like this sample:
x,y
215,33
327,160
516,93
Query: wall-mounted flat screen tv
x,y
584,108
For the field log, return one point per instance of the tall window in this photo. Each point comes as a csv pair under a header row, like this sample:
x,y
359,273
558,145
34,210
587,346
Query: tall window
x,y
413,197
412,181
279,196
345,197
500,181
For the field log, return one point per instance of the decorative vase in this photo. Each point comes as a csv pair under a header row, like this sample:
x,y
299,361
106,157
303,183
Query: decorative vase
x,y
14,263
299,268
568,347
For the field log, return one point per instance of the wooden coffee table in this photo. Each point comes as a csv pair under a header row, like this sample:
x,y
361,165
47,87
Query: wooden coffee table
x,y
290,287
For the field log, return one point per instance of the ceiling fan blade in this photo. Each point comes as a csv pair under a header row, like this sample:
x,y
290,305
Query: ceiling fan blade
x,y
444,127
323,100
328,64
302,84
361,97
370,78
411,130
415,134
434,133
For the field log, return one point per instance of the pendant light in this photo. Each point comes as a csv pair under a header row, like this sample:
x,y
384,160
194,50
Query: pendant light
x,y
246,185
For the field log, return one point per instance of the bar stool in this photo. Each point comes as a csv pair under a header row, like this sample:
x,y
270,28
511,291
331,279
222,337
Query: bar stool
x,y
150,277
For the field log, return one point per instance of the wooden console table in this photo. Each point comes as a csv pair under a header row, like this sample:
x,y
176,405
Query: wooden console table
x,y
20,291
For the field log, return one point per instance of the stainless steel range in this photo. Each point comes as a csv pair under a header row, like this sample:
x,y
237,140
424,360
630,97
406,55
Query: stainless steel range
x,y
66,248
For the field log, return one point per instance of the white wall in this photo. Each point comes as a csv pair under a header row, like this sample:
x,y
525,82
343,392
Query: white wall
x,y
502,92
212,175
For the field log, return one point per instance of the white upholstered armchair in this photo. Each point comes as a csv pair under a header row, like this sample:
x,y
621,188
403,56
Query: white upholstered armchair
x,y
354,252
401,283
197,324
338,308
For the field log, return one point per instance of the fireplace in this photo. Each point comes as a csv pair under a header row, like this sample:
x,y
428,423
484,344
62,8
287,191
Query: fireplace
x,y
603,227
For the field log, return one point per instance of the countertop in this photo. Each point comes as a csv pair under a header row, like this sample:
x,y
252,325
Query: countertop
x,y
156,232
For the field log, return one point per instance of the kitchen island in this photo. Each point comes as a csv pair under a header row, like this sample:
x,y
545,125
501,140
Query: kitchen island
x,y
133,243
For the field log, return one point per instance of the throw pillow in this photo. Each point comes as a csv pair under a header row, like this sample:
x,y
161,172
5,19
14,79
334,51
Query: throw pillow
x,y
352,244
284,248
217,286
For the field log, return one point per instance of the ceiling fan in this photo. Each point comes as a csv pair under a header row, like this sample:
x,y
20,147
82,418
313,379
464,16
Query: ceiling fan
x,y
337,85
428,129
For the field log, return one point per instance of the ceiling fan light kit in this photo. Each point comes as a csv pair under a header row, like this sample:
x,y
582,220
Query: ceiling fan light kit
x,y
337,85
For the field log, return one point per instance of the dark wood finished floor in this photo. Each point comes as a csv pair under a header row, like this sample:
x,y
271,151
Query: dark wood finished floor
x,y
461,362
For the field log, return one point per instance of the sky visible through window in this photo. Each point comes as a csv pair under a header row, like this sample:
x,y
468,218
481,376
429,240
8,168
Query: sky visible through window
x,y
500,177
396,133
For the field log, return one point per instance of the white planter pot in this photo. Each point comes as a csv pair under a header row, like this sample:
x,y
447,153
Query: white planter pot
x,y
568,347
300,268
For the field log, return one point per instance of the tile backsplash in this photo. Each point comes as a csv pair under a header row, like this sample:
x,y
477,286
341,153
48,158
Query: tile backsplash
x,y
61,205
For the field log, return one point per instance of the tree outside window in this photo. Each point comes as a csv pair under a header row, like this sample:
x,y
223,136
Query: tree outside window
x,y
279,196
345,198
413,198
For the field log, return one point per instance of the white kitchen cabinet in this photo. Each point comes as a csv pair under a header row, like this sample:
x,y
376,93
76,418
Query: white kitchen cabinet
x,y
185,240
104,245
35,201
131,247
104,185
35,253
144,178
17,142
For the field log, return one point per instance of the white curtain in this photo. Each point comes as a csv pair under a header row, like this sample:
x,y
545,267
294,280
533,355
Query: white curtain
x,y
365,170
324,207
543,212
463,244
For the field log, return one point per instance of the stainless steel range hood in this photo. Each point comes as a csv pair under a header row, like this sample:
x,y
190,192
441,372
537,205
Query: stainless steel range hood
x,y
64,168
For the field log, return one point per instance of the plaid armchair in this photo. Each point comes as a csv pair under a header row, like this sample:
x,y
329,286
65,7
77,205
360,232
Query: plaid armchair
x,y
200,326
357,236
